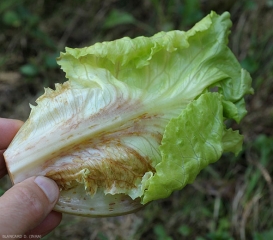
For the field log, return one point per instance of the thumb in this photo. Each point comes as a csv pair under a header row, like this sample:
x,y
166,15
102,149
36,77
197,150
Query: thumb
x,y
26,204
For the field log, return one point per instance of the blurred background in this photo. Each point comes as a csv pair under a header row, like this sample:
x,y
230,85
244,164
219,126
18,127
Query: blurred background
x,y
231,199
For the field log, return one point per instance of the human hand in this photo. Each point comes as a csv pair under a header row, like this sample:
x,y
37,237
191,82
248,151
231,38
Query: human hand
x,y
26,208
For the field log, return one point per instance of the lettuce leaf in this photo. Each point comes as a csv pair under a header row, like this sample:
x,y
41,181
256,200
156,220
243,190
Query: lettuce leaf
x,y
196,138
140,117
175,70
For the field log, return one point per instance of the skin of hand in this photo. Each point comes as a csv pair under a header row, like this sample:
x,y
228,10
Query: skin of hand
x,y
26,208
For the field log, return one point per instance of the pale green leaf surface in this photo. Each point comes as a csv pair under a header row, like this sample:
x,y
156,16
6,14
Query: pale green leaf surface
x,y
232,141
191,142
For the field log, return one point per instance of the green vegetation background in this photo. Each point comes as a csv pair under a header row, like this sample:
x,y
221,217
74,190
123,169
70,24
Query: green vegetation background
x,y
231,199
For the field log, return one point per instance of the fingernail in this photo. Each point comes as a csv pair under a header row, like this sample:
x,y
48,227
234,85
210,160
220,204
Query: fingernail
x,y
49,187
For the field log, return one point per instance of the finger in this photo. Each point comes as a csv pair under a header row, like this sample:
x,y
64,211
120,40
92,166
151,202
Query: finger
x,y
3,169
26,205
8,129
52,220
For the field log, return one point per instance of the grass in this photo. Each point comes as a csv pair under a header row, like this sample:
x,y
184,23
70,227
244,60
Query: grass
x,y
231,199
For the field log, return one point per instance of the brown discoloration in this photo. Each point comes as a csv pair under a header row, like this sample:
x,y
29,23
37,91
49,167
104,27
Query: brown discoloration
x,y
69,136
30,147
108,160
107,168
49,93
104,171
